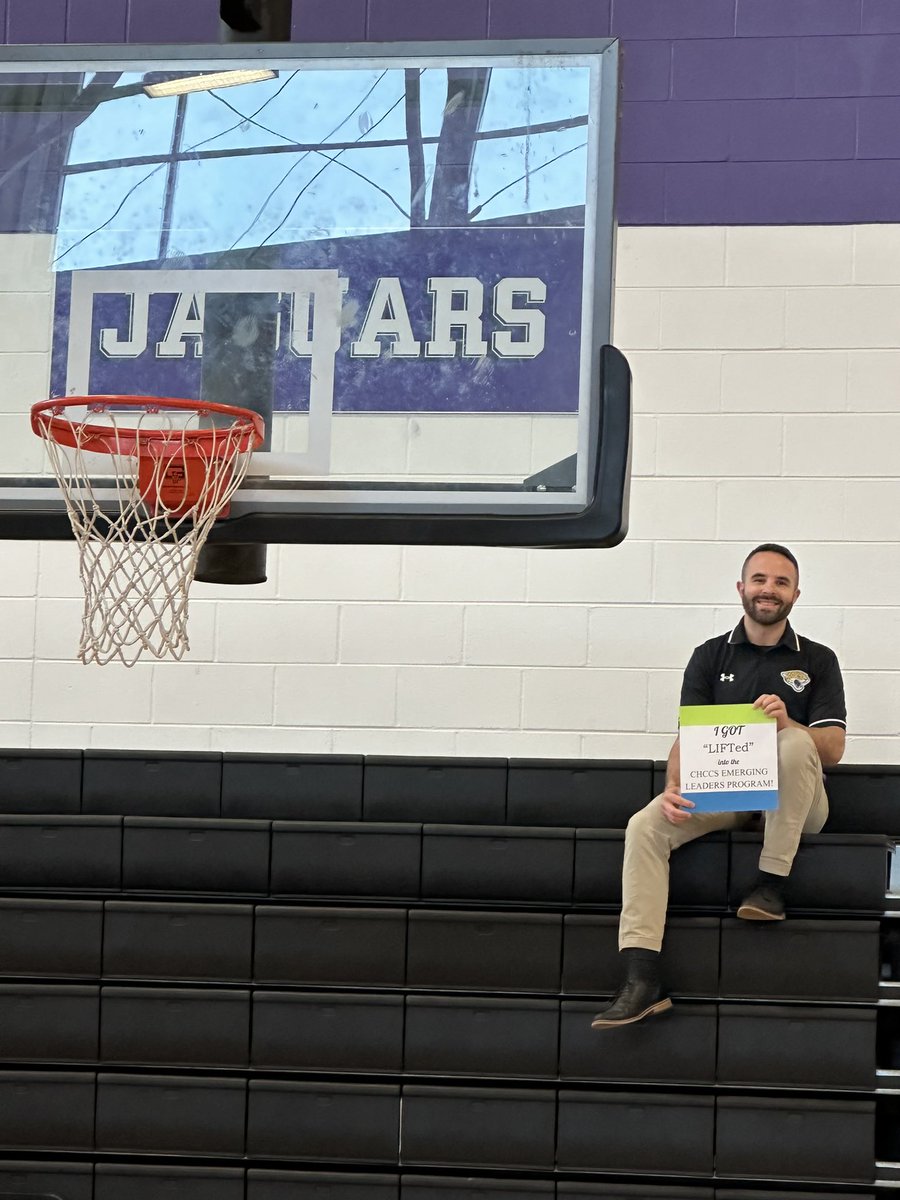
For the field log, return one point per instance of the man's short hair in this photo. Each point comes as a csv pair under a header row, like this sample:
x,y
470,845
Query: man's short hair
x,y
771,548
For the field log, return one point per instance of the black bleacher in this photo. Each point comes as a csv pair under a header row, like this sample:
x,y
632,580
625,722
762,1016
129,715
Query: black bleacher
x,y
260,977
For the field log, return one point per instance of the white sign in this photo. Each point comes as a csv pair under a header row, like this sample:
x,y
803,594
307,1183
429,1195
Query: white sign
x,y
729,758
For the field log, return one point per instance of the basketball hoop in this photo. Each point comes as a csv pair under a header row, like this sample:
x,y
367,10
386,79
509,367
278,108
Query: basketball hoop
x,y
170,470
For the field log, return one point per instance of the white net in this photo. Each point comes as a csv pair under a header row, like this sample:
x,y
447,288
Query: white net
x,y
143,487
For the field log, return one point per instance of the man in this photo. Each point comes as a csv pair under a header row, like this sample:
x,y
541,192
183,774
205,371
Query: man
x,y
796,681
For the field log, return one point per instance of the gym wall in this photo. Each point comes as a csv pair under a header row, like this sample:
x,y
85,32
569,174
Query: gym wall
x,y
758,301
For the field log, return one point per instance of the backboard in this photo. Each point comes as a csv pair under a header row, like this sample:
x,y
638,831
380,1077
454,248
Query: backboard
x,y
401,256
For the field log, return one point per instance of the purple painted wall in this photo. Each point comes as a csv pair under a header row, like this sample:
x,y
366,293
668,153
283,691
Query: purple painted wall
x,y
734,111
52,21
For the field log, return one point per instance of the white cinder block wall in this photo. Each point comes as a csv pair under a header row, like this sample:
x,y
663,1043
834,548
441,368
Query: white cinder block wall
x,y
767,406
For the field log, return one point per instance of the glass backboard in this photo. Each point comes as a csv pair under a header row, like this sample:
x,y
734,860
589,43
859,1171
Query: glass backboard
x,y
402,256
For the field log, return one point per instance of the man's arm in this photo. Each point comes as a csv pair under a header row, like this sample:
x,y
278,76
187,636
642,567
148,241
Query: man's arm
x,y
829,740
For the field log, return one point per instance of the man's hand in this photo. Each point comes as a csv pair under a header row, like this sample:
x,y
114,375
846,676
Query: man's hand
x,y
674,806
773,706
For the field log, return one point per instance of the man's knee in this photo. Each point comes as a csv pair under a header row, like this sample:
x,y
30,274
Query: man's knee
x,y
647,823
796,750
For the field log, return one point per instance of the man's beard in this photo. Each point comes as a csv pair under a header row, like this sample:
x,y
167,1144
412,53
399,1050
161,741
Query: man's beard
x,y
766,616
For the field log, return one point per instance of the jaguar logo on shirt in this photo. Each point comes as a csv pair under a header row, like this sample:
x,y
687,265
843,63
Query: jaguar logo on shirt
x,y
795,679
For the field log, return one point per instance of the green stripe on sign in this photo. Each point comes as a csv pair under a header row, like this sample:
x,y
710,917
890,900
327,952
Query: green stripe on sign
x,y
723,714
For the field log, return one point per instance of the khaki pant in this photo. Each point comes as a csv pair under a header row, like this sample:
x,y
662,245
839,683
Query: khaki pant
x,y
650,839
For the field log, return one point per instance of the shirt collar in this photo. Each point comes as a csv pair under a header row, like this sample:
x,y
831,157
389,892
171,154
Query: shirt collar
x,y
789,639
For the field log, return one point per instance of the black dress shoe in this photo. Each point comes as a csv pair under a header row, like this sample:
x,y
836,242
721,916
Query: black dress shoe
x,y
634,1000
763,904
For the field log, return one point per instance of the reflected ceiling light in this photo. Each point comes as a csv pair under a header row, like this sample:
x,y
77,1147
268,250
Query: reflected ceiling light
x,y
206,83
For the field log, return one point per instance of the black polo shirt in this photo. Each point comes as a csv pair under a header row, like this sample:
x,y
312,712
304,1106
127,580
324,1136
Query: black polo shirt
x,y
732,670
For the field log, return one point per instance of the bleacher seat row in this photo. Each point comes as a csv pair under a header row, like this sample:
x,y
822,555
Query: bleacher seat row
x,y
476,864
283,978
473,1037
600,794
449,949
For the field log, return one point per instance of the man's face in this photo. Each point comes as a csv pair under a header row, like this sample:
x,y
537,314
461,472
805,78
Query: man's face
x,y
769,589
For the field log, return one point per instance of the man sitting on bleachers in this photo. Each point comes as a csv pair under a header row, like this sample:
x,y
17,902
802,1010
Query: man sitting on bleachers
x,y
796,681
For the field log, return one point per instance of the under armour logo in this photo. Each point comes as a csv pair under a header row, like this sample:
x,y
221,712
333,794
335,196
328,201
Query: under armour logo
x,y
726,679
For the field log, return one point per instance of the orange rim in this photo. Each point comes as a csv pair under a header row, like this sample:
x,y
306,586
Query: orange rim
x,y
246,432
